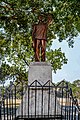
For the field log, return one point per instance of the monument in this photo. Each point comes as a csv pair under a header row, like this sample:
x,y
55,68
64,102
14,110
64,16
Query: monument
x,y
39,37
39,99
40,70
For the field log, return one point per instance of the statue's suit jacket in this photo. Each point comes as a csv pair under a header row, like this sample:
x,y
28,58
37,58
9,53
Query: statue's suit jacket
x,y
40,31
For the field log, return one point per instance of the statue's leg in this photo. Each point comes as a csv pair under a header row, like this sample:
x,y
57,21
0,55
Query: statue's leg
x,y
43,49
37,51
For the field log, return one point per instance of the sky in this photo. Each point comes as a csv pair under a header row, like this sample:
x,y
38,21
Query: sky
x,y
71,70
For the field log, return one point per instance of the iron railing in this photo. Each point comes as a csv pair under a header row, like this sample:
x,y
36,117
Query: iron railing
x,y
36,101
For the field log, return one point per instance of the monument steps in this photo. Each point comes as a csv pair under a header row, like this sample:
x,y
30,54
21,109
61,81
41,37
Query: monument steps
x,y
44,117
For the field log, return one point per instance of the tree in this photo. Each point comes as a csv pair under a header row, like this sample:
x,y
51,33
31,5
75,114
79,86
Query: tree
x,y
75,86
17,18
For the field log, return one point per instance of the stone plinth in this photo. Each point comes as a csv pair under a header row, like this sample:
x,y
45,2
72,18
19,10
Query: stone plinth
x,y
40,103
40,71
39,99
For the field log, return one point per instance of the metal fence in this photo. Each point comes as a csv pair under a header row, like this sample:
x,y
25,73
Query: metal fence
x,y
19,101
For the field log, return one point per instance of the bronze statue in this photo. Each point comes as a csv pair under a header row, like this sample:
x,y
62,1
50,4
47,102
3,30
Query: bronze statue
x,y
39,37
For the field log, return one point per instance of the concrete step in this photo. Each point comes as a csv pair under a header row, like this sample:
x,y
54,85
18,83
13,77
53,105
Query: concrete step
x,y
46,117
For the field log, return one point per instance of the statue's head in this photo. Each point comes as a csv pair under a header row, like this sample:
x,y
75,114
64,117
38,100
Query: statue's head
x,y
40,17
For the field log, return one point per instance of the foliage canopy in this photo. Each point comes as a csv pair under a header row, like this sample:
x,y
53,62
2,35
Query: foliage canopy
x,y
16,20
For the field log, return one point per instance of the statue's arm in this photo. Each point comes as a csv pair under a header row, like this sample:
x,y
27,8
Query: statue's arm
x,y
49,19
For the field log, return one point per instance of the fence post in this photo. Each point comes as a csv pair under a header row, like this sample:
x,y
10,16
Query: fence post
x,y
0,110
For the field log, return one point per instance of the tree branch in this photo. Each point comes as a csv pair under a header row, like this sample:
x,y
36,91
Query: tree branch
x,y
26,62
6,7
9,5
8,18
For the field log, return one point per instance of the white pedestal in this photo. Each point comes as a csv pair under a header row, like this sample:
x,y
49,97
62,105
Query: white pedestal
x,y
38,98
40,71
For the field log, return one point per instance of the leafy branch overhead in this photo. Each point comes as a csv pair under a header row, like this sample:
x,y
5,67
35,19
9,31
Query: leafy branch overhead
x,y
16,20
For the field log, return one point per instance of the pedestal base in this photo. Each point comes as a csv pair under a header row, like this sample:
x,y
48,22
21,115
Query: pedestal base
x,y
39,102
40,99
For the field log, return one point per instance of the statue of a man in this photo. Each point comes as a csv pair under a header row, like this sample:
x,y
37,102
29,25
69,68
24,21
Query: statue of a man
x,y
39,37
